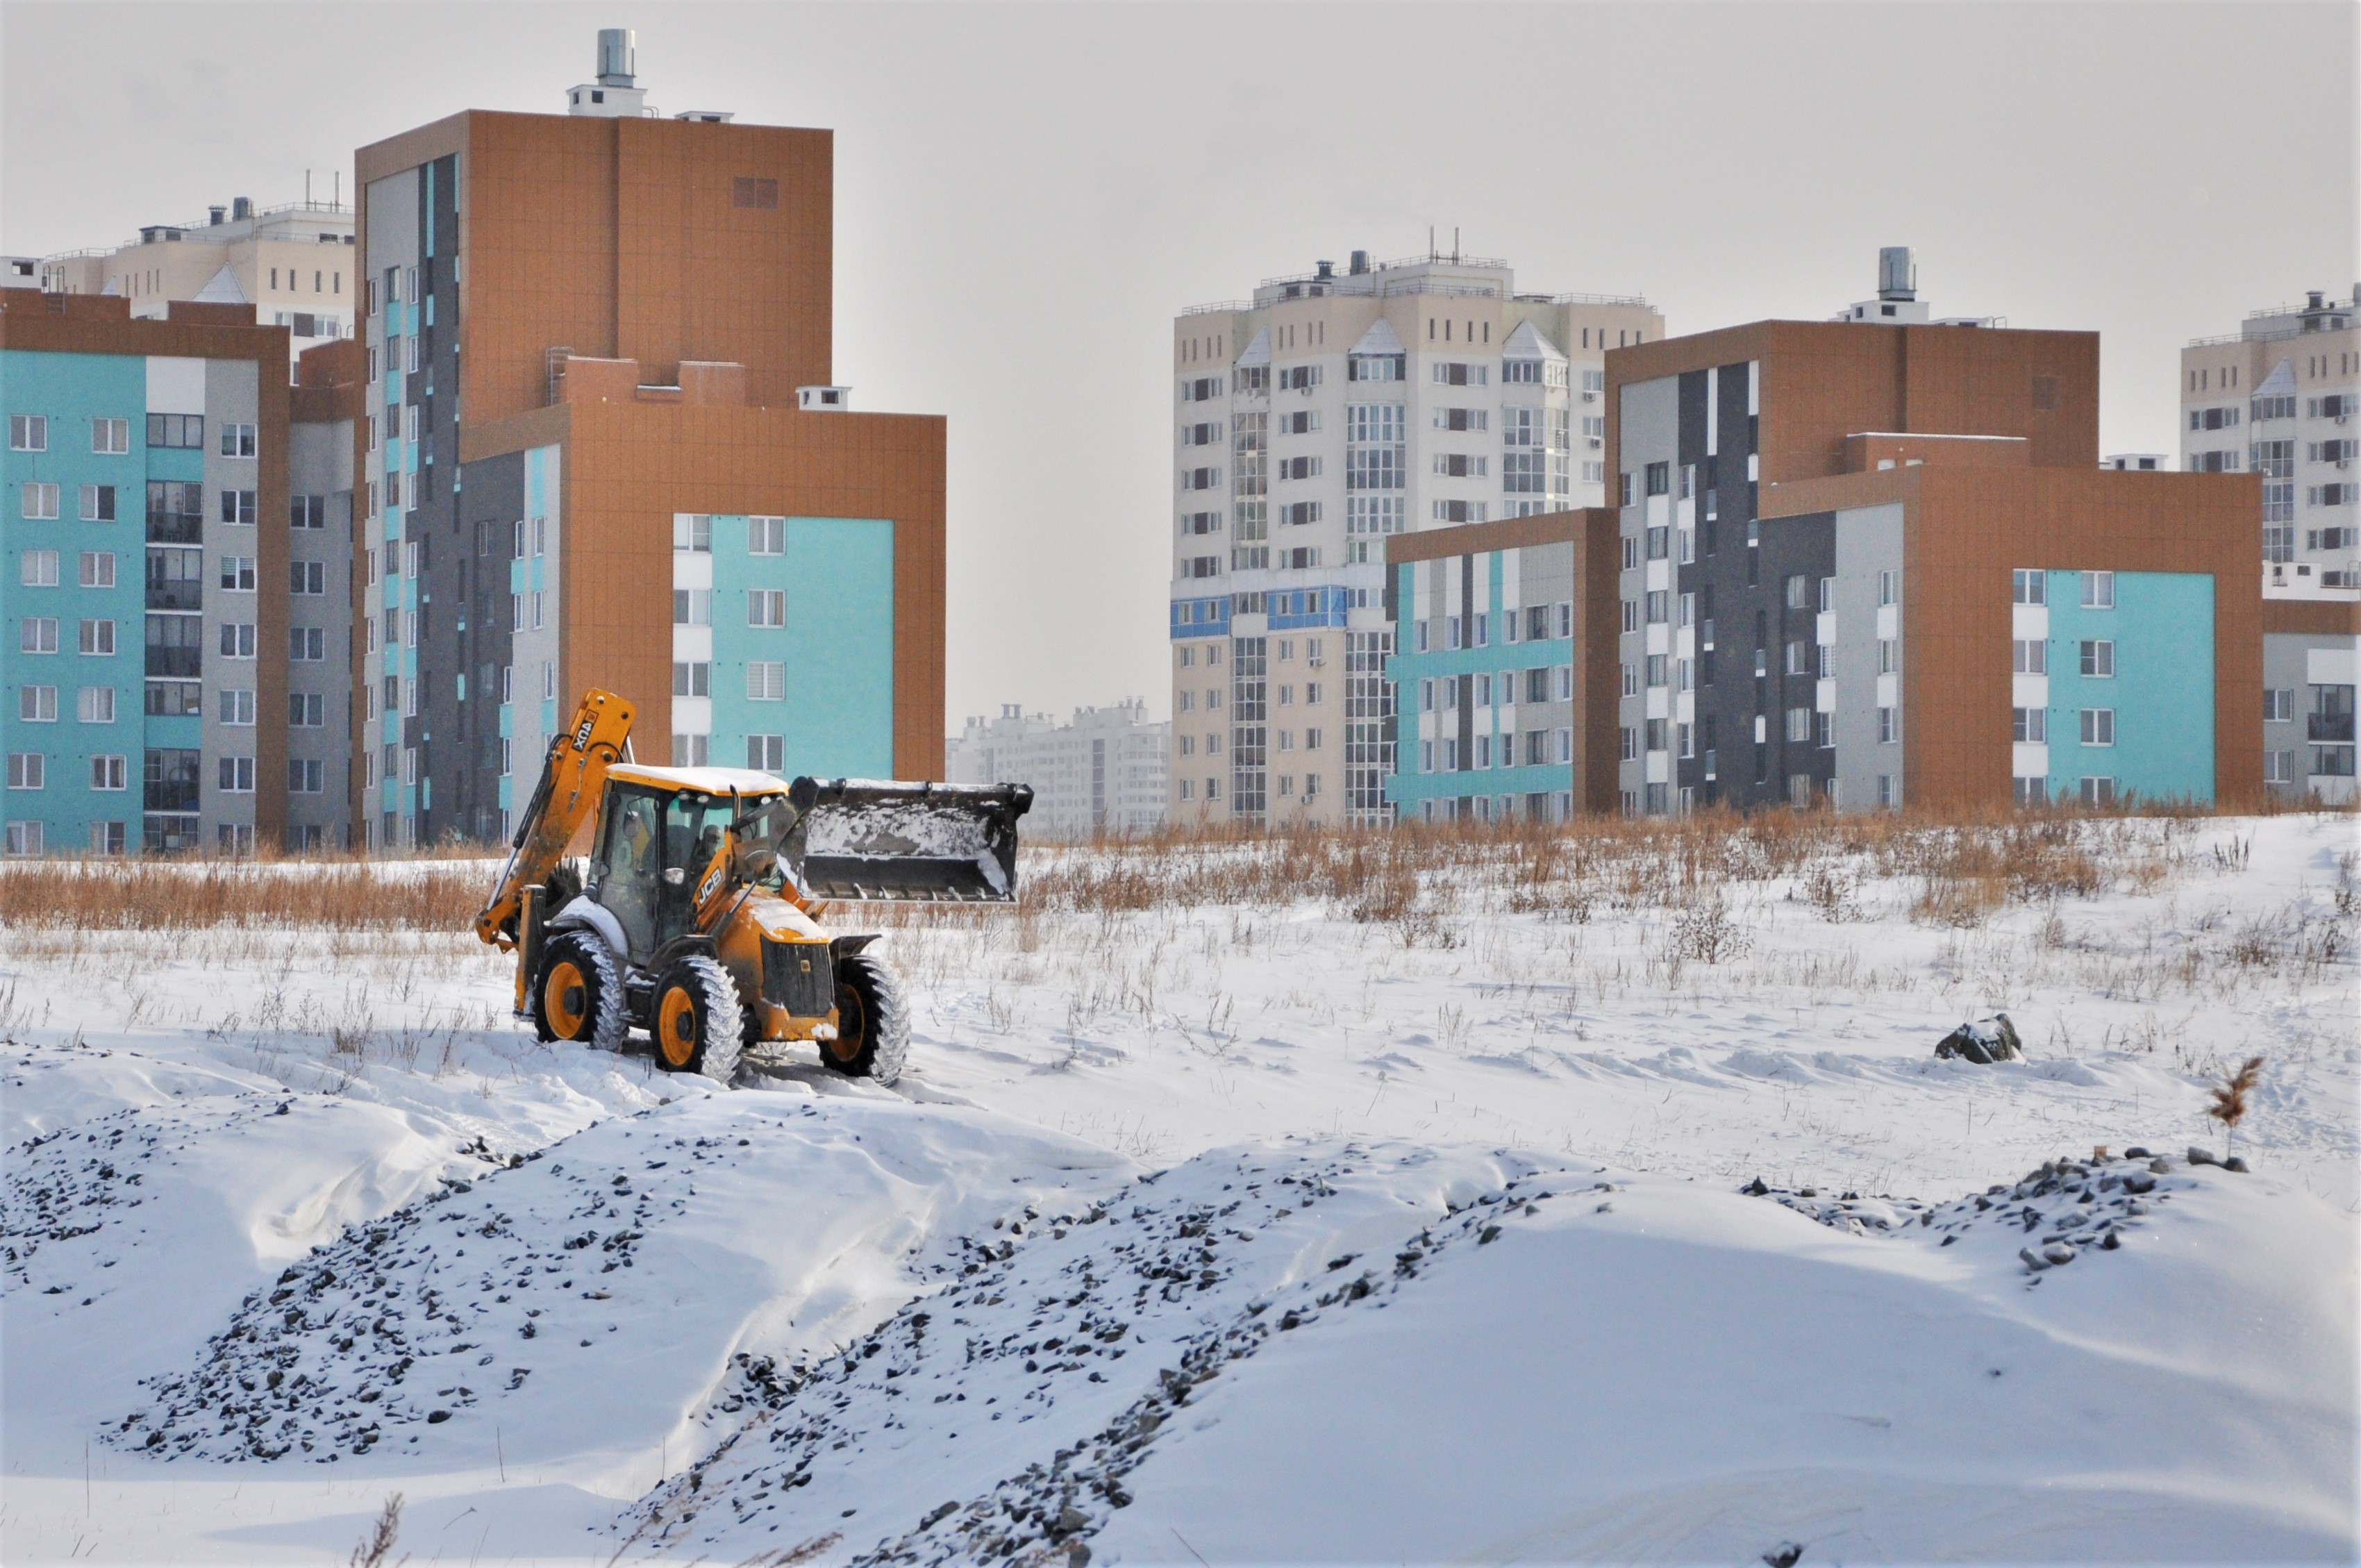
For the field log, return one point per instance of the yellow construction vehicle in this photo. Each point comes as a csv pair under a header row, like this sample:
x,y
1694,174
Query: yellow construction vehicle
x,y
697,919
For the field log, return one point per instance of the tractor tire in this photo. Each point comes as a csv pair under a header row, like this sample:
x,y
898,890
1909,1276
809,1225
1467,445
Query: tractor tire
x,y
579,994
872,1022
694,1019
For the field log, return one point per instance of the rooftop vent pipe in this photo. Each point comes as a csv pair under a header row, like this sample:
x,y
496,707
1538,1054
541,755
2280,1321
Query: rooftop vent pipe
x,y
618,59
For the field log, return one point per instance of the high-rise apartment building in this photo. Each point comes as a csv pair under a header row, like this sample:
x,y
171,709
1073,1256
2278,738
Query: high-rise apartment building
x,y
1102,773
1331,412
601,444
2281,398
172,517
293,264
1866,564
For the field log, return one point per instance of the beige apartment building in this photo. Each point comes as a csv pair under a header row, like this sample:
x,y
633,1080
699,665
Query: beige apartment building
x,y
293,264
2282,397
1332,410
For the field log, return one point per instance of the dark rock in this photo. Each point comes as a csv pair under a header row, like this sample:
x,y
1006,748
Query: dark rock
x,y
1783,1555
2135,1152
2237,1162
1754,1188
2033,1264
1986,1041
2201,1157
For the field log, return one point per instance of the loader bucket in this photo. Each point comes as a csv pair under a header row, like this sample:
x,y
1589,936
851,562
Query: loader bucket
x,y
887,842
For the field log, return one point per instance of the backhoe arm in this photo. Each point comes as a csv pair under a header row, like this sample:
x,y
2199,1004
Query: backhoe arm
x,y
573,780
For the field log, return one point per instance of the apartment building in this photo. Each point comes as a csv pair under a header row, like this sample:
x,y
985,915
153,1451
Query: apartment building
x,y
1493,723
1103,772
1328,414
174,645
292,263
658,486
1865,564
2281,398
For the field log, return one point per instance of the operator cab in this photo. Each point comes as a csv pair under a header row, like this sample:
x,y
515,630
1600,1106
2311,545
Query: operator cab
x,y
658,830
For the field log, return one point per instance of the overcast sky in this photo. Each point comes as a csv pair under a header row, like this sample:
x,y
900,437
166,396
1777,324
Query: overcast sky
x,y
1027,193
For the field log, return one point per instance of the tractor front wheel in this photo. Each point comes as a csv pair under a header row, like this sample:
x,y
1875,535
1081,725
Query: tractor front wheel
x,y
872,1022
694,1020
579,994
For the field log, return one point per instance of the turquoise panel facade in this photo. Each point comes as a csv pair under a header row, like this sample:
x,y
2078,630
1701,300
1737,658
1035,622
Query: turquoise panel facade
x,y
77,711
1411,788
2160,695
836,710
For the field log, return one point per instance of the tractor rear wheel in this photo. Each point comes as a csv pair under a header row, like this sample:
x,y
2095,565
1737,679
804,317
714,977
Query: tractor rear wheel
x,y
694,1019
579,994
872,1022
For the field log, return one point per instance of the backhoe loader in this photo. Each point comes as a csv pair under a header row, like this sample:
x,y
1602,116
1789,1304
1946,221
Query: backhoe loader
x,y
697,916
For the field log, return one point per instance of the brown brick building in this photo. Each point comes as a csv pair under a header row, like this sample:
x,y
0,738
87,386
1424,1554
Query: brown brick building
x,y
600,447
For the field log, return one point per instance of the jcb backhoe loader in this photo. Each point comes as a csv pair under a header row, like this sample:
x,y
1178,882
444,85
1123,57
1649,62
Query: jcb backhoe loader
x,y
697,919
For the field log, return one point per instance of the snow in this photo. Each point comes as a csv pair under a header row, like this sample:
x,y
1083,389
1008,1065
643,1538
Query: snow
x,y
1484,1232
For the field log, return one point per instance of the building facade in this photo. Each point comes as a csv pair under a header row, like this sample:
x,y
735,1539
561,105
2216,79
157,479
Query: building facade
x,y
1492,720
1313,423
657,488
152,642
1864,565
2281,400
1102,773
293,264
2312,661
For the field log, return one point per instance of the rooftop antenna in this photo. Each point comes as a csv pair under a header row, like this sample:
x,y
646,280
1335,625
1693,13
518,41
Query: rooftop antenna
x,y
1454,243
307,188
1430,242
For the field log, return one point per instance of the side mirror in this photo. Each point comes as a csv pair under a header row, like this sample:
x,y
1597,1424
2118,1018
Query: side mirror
x,y
673,876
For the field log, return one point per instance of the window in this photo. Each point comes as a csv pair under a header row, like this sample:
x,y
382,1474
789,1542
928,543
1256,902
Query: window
x,y
236,440
1889,728
1462,511
238,574
1796,658
1298,468
109,773
1660,479
179,432
2098,791
766,535
2098,725
303,776
37,568
2272,408
97,639
2098,657
755,194
236,707
766,606
2278,767
766,753
110,436
234,774
307,577
36,705
1799,724
692,679
28,433
307,710
1799,592
98,503
2278,704
1299,377
690,606
1523,473
1889,587
2028,657
308,645
94,705
1456,375
28,769
236,641
2028,587
37,503
238,506
2027,725
2098,590
766,680
1889,656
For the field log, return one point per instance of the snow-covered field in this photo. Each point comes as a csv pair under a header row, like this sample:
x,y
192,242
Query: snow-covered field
x,y
1497,1210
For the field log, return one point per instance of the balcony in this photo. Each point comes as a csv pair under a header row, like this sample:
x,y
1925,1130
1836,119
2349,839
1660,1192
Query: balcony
x,y
2329,727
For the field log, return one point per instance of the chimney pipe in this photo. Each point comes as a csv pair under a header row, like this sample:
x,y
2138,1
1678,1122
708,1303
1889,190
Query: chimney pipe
x,y
1897,273
241,208
217,213
617,58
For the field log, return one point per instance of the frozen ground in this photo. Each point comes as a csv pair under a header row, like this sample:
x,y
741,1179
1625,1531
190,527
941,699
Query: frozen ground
x,y
1239,1231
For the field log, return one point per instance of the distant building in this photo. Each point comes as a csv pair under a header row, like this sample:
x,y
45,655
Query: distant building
x,y
1329,412
2282,399
175,523
659,487
293,264
1867,564
1102,772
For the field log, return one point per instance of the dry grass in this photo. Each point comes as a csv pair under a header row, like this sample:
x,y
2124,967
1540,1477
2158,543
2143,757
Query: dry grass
x,y
166,895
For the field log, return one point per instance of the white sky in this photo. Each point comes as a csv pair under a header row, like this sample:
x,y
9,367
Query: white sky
x,y
1027,193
